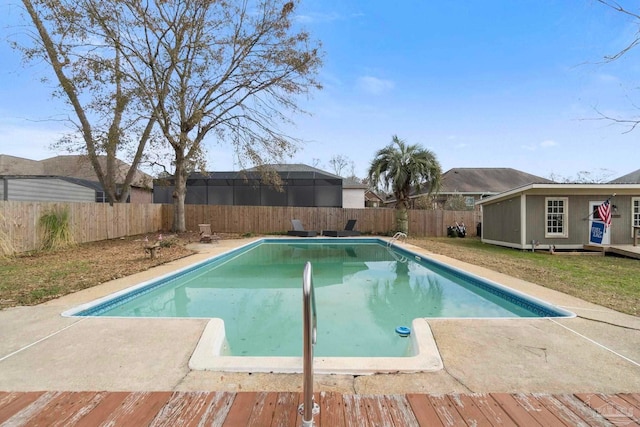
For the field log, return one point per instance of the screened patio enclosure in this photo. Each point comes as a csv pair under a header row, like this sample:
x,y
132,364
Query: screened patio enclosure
x,y
308,187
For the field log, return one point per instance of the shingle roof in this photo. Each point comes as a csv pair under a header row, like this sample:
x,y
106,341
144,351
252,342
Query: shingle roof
x,y
630,178
79,166
486,180
285,168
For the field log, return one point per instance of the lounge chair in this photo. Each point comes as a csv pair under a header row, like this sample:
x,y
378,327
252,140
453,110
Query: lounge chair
x,y
348,230
206,236
298,230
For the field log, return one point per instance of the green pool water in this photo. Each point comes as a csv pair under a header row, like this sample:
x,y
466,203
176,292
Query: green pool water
x,y
364,291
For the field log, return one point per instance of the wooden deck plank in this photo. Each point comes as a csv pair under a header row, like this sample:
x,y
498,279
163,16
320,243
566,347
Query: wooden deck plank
x,y
468,410
400,411
628,397
240,410
331,409
13,402
355,414
423,410
103,410
446,410
184,409
623,406
33,409
588,415
218,410
516,412
540,412
139,408
263,409
67,409
81,409
377,410
286,409
613,413
561,411
492,410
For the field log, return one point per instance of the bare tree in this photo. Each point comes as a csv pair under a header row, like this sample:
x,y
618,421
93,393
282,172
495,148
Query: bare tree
x,y
340,163
600,175
92,79
234,68
630,122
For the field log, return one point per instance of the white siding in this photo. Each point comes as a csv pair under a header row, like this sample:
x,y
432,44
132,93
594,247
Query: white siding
x,y
48,190
353,198
1,189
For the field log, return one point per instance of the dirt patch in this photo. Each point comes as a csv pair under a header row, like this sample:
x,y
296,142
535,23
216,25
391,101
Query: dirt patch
x,y
37,277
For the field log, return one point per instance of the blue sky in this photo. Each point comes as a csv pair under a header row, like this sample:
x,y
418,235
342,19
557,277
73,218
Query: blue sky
x,y
513,83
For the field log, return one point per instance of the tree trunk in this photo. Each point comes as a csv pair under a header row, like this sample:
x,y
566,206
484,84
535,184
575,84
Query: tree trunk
x,y
179,193
402,218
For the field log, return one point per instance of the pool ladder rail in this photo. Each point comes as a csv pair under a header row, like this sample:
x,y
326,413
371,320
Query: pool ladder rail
x,y
309,407
399,235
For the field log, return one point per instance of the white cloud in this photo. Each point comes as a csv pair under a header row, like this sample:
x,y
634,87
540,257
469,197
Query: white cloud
x,y
547,143
374,85
313,18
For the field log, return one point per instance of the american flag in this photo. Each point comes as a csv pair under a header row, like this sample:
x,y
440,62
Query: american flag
x,y
604,210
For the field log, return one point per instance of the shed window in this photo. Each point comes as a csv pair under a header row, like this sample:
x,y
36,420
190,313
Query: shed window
x,y
635,212
556,221
101,197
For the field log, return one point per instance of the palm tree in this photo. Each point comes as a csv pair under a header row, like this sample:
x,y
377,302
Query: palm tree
x,y
401,168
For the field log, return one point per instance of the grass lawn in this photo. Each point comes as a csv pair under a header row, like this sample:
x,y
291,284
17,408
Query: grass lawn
x,y
609,281
34,278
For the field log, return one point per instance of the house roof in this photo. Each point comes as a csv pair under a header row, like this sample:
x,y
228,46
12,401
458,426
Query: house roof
x,y
73,166
485,180
12,165
79,166
372,195
353,184
630,178
285,171
561,189
292,168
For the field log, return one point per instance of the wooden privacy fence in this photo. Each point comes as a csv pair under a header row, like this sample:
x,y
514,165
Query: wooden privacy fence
x,y
277,219
19,221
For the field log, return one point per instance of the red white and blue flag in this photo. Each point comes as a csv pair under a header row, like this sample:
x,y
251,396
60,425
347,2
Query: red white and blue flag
x,y
604,211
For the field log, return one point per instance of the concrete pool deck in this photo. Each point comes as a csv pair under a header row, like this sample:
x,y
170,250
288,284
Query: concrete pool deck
x,y
598,351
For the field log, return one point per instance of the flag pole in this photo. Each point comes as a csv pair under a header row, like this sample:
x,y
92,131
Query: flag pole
x,y
596,208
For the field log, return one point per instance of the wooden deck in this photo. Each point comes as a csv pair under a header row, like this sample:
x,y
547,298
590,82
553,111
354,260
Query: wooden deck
x,y
628,251
280,409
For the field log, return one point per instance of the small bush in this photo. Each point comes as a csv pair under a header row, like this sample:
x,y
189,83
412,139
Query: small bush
x,y
168,242
56,229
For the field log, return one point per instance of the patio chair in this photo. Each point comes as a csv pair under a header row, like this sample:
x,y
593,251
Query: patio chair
x,y
206,236
348,230
298,230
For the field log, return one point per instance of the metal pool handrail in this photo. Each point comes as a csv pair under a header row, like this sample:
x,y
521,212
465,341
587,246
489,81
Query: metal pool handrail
x,y
309,407
399,235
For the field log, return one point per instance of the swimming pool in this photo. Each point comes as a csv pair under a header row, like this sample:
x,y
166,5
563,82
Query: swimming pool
x,y
364,291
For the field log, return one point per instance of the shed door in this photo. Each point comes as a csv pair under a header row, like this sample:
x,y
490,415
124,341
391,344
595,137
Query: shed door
x,y
599,233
